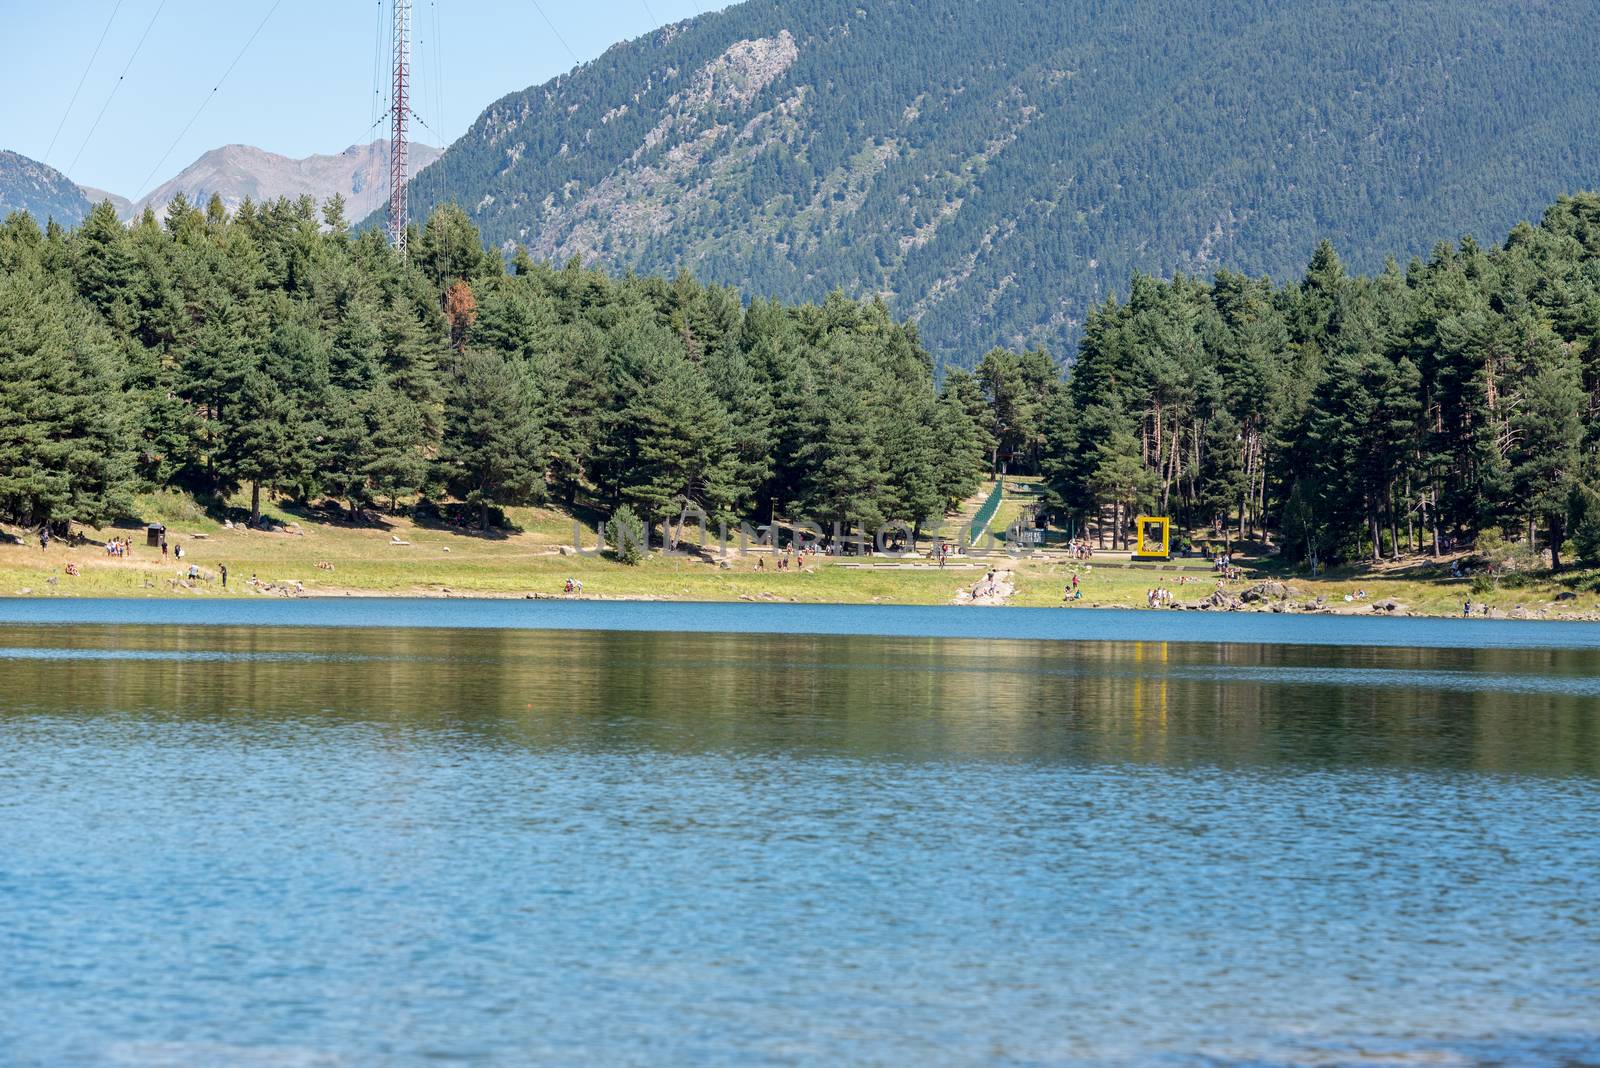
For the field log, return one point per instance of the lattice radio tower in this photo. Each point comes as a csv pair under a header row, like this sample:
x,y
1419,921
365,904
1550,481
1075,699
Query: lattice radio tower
x,y
399,115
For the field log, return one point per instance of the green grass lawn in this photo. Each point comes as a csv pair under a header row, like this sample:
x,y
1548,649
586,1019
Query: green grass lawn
x,y
365,559
1021,493
434,560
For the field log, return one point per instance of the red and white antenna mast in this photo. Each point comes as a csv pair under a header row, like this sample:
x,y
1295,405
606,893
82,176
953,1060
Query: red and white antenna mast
x,y
399,115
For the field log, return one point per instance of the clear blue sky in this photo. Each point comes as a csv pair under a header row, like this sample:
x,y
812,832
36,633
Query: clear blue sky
x,y
304,85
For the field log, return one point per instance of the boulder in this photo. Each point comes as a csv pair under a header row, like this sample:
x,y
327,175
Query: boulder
x,y
1566,595
1221,600
1266,591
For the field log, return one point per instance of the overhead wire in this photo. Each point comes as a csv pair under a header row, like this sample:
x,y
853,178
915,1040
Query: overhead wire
x,y
373,112
115,86
421,82
87,67
439,80
211,95
556,32
438,66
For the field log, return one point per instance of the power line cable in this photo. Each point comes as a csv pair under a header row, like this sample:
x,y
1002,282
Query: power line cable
x,y
654,22
209,96
438,64
377,65
110,96
439,87
87,67
563,40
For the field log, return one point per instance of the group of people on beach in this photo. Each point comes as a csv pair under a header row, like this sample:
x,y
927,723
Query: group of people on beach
x,y
122,548
989,586
784,557
1160,597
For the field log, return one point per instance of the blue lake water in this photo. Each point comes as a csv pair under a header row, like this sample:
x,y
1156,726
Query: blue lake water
x,y
1069,624
506,833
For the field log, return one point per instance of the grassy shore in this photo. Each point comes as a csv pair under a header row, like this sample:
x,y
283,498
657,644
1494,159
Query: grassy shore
x,y
1418,589
315,556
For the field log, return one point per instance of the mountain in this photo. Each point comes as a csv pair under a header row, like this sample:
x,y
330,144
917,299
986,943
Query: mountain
x,y
41,190
360,173
123,205
992,168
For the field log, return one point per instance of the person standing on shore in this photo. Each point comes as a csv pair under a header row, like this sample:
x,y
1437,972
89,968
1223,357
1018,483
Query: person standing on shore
x,y
223,568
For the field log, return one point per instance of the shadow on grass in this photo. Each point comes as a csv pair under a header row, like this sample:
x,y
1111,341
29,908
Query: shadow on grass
x,y
334,514
463,521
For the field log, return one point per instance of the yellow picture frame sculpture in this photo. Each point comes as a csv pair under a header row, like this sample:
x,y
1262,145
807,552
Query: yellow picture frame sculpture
x,y
1154,537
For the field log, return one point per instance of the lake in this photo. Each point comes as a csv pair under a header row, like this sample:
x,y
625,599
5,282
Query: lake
x,y
506,833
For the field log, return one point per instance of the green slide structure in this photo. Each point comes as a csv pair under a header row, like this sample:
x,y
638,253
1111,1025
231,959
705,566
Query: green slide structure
x,y
986,514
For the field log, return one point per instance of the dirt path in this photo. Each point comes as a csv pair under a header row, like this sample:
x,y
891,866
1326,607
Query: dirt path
x,y
986,592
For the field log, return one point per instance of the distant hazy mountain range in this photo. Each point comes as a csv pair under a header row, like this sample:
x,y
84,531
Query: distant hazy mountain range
x,y
360,173
123,205
994,166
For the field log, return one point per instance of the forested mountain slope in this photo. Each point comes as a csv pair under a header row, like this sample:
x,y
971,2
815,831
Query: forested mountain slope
x,y
994,168
42,191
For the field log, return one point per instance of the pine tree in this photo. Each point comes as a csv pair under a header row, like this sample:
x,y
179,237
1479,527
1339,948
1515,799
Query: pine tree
x,y
491,450
275,431
1549,434
1583,520
394,465
843,464
1121,481
62,429
1222,485
677,437
961,452
747,400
